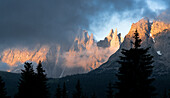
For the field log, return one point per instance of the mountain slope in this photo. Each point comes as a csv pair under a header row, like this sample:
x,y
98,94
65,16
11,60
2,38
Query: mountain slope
x,y
100,77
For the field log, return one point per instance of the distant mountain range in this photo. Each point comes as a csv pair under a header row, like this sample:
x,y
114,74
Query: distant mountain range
x,y
86,54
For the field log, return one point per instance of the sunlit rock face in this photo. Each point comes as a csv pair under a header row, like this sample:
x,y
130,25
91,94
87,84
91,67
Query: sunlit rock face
x,y
161,34
113,40
143,27
13,56
83,42
159,27
83,56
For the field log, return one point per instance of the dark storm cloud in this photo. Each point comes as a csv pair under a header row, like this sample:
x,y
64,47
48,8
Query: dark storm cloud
x,y
56,21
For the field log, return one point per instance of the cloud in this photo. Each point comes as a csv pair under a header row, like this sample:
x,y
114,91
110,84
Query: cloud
x,y
28,22
88,59
4,66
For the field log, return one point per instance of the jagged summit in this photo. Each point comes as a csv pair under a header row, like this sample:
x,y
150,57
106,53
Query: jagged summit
x,y
143,26
110,35
83,41
113,40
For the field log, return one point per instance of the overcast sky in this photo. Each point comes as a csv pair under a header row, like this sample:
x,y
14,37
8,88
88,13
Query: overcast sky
x,y
27,22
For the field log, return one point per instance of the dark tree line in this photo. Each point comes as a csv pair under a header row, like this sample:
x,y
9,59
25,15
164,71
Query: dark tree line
x,y
61,93
3,93
109,92
31,84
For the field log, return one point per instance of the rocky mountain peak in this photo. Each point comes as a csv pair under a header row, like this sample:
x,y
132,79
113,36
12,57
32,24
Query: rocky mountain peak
x,y
110,35
115,41
112,40
85,36
158,27
143,27
82,42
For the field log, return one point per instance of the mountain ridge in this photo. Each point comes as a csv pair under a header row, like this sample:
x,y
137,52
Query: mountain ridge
x,y
60,63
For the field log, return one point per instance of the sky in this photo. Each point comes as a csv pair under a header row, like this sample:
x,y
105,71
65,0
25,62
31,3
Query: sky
x,y
28,22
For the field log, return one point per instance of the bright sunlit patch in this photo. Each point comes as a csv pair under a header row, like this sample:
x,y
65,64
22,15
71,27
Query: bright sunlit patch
x,y
8,70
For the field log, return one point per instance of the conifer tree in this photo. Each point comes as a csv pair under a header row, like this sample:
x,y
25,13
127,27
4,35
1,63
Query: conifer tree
x,y
26,88
109,90
41,82
165,94
64,91
58,92
134,76
93,95
78,92
3,93
84,96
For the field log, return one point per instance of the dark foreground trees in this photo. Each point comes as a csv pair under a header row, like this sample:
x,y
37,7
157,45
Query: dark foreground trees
x,y
31,84
109,92
58,92
78,91
64,91
41,82
3,93
61,93
26,87
134,76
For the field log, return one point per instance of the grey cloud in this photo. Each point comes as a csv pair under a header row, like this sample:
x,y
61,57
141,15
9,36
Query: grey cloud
x,y
4,66
56,21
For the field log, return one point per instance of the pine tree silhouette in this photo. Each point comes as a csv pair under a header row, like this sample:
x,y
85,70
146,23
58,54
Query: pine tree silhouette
x,y
109,90
64,91
165,94
26,88
41,82
3,93
58,92
135,72
93,95
78,92
84,96
168,93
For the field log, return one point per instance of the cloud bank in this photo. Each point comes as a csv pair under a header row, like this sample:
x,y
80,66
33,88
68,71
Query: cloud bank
x,y
28,22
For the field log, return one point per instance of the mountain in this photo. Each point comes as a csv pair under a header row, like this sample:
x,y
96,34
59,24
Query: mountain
x,y
59,63
112,40
155,35
87,55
